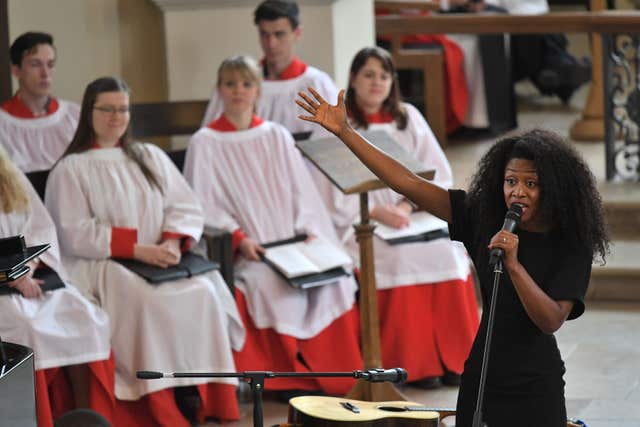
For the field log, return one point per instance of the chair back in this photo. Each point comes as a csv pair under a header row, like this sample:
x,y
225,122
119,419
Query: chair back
x,y
166,118
38,180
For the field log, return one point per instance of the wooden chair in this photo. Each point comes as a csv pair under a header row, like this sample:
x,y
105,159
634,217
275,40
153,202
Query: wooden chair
x,y
166,119
430,61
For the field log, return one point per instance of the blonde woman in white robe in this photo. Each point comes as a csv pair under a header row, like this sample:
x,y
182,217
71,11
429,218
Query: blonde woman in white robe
x,y
426,298
113,198
253,182
35,127
68,334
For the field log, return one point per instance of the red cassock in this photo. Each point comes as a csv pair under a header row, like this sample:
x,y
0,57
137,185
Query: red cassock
x,y
54,395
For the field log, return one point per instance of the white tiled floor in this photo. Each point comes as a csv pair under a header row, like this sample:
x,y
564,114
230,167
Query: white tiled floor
x,y
601,349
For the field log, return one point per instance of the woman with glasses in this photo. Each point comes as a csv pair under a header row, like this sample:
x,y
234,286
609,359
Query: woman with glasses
x,y
114,198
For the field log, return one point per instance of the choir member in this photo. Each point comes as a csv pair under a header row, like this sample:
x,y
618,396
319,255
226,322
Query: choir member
x,y
68,334
253,181
426,297
35,127
114,198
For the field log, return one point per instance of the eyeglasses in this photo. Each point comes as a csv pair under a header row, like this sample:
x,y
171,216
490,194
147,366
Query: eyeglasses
x,y
112,110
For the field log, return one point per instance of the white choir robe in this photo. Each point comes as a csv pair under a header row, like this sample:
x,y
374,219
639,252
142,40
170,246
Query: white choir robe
x,y
522,7
255,180
407,264
62,327
36,144
277,100
184,325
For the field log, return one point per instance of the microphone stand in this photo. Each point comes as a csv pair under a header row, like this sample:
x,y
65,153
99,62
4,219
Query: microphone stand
x,y
256,381
477,415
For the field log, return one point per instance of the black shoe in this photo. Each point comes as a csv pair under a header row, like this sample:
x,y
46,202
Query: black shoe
x,y
428,383
451,378
565,93
564,78
547,81
188,402
579,73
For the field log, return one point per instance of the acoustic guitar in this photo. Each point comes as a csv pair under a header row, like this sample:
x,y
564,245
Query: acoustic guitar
x,y
323,411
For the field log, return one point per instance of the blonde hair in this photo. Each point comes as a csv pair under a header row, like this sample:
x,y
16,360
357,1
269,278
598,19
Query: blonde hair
x,y
13,194
243,64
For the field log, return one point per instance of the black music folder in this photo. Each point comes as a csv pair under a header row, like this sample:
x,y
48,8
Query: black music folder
x,y
190,265
306,265
14,255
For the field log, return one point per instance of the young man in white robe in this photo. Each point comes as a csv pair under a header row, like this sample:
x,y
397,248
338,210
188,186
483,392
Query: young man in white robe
x,y
114,198
68,334
253,182
284,73
35,127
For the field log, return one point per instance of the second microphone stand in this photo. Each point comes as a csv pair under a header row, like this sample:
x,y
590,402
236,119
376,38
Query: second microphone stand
x,y
256,380
497,273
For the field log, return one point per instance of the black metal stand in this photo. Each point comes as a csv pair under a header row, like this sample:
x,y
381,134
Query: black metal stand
x,y
477,415
3,358
256,380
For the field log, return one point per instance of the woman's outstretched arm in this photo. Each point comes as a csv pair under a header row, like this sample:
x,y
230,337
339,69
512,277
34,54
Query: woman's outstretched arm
x,y
427,196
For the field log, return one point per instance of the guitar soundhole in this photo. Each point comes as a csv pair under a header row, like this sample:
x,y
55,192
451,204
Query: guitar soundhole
x,y
392,408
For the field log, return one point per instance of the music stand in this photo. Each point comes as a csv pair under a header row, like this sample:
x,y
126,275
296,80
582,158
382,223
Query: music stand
x,y
351,176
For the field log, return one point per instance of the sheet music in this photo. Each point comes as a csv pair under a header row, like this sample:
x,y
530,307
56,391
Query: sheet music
x,y
421,222
315,256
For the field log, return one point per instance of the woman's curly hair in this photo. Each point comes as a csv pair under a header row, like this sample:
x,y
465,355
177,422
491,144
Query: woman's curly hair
x,y
569,201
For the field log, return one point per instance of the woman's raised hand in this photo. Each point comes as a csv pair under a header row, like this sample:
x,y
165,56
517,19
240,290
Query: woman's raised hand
x,y
332,117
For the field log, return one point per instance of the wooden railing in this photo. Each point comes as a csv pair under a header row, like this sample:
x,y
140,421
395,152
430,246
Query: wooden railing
x,y
618,76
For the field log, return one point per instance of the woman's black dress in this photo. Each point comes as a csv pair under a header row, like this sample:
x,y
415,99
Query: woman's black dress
x,y
524,384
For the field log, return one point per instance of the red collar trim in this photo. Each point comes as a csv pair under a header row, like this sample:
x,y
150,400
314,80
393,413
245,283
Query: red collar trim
x,y
293,70
379,117
17,108
222,124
